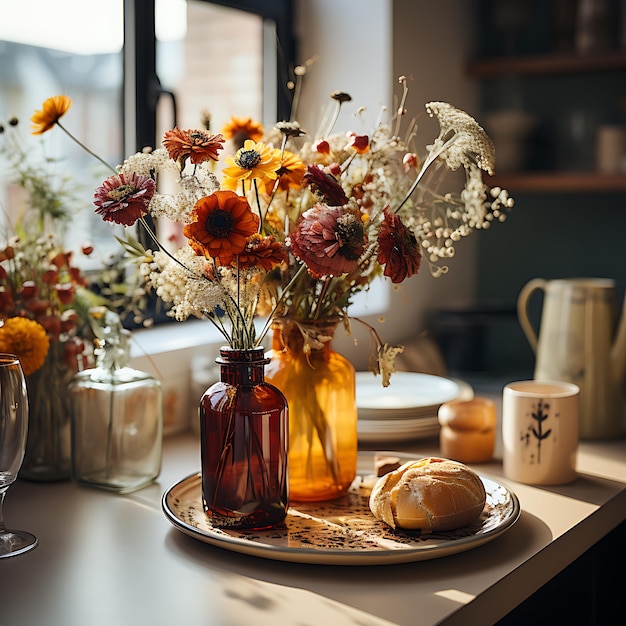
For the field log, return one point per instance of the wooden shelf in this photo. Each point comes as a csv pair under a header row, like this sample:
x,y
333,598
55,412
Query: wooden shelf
x,y
560,182
546,65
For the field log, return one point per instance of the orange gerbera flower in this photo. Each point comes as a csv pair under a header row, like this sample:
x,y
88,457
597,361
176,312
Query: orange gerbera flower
x,y
263,252
52,110
253,161
196,145
239,129
222,223
290,173
27,339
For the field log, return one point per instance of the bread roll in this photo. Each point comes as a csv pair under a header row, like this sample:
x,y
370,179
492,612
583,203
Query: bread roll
x,y
431,494
468,430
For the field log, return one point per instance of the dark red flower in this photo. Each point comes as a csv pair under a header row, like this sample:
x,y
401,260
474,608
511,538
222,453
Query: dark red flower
x,y
321,146
52,324
7,254
76,276
65,292
6,299
37,306
124,198
61,259
360,143
28,289
398,250
325,185
50,277
410,161
329,240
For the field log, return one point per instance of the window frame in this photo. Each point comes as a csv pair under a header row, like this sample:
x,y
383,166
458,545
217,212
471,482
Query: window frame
x,y
142,88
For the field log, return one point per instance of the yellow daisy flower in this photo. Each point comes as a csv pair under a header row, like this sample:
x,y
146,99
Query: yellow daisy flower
x,y
253,161
27,339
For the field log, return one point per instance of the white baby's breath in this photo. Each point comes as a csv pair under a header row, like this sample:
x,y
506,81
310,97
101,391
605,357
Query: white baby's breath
x,y
190,186
181,280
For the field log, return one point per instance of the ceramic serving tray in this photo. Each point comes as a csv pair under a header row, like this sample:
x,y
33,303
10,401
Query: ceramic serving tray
x,y
342,531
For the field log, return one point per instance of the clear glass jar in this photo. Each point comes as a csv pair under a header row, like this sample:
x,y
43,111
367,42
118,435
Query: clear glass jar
x,y
117,416
48,447
244,441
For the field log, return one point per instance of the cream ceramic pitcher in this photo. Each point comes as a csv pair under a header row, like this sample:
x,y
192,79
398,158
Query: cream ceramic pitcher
x,y
576,344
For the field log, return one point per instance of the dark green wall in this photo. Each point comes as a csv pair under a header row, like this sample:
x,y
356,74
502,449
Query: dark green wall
x,y
548,236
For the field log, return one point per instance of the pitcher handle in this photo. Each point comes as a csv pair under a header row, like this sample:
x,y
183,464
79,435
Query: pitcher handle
x,y
522,309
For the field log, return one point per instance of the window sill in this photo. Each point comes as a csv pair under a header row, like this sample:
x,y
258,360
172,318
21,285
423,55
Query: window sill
x,y
181,356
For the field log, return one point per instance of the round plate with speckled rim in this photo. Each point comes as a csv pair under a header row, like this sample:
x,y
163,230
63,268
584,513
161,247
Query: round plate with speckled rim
x,y
342,531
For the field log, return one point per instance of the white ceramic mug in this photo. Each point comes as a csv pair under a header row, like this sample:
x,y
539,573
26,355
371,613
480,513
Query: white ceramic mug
x,y
540,431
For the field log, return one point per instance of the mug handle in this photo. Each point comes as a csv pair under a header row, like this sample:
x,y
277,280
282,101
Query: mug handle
x,y
522,309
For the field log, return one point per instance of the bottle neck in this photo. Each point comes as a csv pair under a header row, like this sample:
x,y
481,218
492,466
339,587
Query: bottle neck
x,y
291,335
242,367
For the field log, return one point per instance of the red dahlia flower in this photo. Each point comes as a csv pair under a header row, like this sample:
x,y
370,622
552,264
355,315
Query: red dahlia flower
x,y
124,198
398,249
325,185
329,240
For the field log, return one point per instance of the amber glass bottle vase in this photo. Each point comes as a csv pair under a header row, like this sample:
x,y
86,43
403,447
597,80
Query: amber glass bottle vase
x,y
244,441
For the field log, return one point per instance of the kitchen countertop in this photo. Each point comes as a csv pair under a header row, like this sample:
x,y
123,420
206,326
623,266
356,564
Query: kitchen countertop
x,y
109,559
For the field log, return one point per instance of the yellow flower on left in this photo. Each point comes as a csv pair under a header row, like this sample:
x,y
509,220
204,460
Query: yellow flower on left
x,y
26,339
52,110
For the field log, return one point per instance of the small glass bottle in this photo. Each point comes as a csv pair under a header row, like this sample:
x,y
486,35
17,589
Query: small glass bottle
x,y
117,415
244,440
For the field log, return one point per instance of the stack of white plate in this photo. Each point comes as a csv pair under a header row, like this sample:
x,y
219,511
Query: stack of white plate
x,y
407,408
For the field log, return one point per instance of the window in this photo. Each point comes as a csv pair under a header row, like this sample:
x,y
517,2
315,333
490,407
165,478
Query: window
x,y
224,51
80,57
132,73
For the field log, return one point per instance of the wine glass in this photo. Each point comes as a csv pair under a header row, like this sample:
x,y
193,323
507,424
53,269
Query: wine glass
x,y
13,430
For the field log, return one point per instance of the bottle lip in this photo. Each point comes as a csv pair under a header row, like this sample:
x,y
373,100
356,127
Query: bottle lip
x,y
251,356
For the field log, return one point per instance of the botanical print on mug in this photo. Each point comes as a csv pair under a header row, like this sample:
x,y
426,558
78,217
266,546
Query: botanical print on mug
x,y
537,431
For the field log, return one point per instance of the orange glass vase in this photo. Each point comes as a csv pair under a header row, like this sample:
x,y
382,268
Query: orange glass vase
x,y
319,385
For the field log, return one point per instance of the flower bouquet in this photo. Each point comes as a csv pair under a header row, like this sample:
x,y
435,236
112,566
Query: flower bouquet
x,y
295,225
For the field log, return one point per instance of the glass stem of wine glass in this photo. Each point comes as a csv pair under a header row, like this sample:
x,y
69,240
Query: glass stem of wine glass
x,y
3,527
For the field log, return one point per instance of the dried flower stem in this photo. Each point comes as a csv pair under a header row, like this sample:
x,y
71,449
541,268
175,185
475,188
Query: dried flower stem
x,y
427,163
401,109
301,270
85,148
